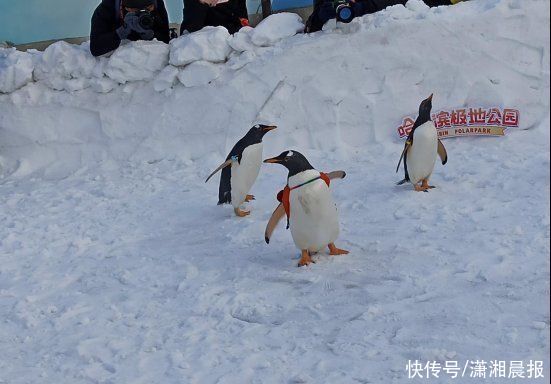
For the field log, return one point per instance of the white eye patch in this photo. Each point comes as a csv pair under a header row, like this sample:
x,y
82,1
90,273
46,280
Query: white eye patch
x,y
290,153
257,126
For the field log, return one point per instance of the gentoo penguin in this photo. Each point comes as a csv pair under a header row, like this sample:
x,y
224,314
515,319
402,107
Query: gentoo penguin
x,y
307,202
241,168
420,150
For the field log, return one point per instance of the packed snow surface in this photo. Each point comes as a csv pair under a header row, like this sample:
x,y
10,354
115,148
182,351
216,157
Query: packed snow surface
x,y
117,266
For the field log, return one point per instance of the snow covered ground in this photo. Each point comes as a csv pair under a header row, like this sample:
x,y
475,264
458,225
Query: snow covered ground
x,y
116,265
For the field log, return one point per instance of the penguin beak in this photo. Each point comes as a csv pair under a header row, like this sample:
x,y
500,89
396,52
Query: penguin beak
x,y
430,97
273,160
268,128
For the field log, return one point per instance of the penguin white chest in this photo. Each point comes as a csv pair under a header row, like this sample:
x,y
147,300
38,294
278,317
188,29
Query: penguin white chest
x,y
244,173
314,219
422,154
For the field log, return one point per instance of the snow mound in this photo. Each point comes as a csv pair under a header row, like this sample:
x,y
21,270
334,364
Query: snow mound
x,y
352,73
137,61
208,44
275,28
16,69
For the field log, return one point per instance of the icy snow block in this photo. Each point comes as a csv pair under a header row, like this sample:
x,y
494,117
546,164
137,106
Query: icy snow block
x,y
208,44
241,40
65,60
417,6
16,69
103,85
165,79
65,66
275,28
199,73
137,61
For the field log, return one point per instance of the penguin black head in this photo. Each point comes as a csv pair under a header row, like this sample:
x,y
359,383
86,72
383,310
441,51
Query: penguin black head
x,y
294,161
424,110
257,132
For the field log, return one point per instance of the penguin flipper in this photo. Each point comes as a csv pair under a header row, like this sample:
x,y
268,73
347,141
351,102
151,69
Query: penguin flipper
x,y
278,214
406,175
442,152
224,191
406,147
336,175
221,166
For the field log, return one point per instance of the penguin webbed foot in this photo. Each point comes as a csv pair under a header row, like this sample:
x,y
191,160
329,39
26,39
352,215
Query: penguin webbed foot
x,y
241,213
334,251
424,186
249,198
305,259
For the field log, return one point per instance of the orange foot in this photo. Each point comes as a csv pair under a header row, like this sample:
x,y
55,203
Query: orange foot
x,y
426,184
249,198
305,259
241,213
334,251
420,188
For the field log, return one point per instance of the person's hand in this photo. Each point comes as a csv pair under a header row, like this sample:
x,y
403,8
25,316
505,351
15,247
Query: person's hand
x,y
132,21
125,29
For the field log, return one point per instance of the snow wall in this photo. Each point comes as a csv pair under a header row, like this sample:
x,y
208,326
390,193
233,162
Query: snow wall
x,y
342,90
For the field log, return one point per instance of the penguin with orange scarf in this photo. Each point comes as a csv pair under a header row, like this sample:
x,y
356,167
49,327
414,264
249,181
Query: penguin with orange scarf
x,y
308,204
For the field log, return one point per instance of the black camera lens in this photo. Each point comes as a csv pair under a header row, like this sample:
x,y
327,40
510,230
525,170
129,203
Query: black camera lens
x,y
344,12
146,20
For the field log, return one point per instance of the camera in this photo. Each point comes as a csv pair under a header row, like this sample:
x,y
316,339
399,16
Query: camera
x,y
145,19
344,11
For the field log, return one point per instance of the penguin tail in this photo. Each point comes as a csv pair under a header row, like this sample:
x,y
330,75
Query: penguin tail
x,y
224,190
225,200
403,181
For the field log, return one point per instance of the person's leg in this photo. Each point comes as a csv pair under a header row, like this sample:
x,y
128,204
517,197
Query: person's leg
x,y
323,11
195,14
